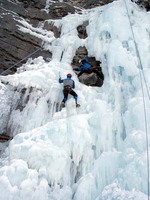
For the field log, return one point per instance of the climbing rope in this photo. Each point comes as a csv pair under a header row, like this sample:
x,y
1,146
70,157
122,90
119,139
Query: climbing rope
x,y
14,66
29,55
137,51
141,72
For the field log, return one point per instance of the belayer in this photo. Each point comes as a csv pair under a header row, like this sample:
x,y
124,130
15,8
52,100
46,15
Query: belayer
x,y
86,67
69,85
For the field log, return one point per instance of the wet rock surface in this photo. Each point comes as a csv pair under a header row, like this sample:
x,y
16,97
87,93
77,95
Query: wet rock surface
x,y
16,45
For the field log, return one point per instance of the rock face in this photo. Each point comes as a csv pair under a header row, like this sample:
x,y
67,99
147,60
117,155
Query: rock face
x,y
90,78
4,138
143,3
90,3
16,45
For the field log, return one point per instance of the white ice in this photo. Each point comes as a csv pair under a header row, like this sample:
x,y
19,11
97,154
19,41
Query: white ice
x,y
95,152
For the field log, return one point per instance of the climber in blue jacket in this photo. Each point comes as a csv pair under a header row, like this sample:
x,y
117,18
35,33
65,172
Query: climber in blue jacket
x,y
86,67
69,85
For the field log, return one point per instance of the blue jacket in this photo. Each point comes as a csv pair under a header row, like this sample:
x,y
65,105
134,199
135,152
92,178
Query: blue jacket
x,y
67,82
85,65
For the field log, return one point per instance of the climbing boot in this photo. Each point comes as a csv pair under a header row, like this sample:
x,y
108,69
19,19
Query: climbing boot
x,y
77,105
62,104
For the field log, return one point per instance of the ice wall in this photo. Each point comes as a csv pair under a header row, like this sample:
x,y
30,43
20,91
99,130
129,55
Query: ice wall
x,y
99,150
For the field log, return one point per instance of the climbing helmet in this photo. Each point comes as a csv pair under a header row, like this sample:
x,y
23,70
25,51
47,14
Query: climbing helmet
x,y
69,75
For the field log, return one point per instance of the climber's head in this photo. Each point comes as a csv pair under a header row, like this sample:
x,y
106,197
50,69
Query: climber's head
x,y
69,75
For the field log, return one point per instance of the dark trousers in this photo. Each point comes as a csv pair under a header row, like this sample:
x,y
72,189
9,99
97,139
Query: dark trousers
x,y
68,90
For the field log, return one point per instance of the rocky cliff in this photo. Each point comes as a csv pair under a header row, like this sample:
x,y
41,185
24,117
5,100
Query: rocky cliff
x,y
17,46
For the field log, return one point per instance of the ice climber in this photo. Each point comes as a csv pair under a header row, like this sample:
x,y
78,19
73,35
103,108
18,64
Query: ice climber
x,y
69,85
86,67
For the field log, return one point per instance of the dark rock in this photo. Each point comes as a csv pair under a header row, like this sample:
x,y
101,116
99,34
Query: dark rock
x,y
16,45
59,10
143,3
81,52
82,30
90,3
40,4
95,78
91,78
4,137
50,27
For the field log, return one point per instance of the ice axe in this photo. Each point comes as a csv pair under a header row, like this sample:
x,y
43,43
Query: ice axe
x,y
59,75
